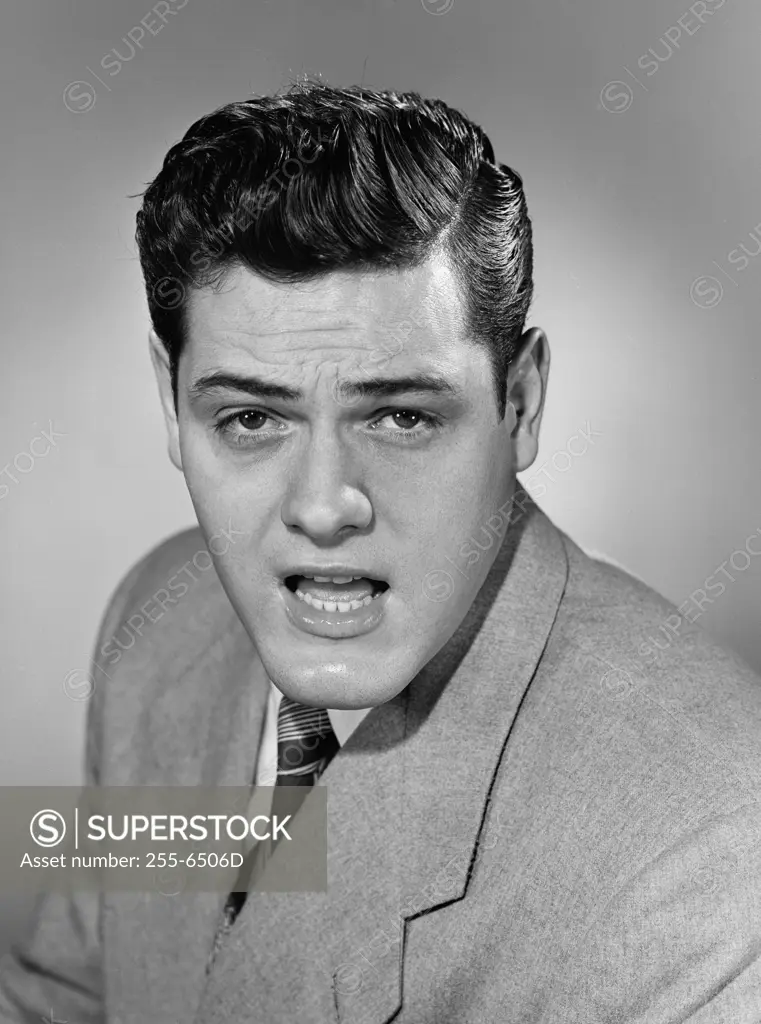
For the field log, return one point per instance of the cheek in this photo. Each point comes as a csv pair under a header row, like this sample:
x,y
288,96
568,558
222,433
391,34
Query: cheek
x,y
453,496
222,487
455,527
229,506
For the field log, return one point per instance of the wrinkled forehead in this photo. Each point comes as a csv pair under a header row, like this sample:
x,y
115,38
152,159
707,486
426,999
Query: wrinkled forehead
x,y
346,318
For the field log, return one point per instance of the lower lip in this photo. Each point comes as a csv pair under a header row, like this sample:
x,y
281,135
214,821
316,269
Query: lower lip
x,y
333,625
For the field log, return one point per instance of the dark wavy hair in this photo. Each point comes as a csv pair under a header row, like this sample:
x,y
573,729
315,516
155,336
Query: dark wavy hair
x,y
320,179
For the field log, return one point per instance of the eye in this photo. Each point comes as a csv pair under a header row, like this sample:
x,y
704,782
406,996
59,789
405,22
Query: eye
x,y
251,419
241,426
406,423
406,419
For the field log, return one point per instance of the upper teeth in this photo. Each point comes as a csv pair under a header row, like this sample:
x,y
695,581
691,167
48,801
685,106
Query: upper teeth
x,y
333,579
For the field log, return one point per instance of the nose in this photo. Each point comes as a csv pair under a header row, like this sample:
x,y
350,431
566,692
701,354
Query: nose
x,y
324,499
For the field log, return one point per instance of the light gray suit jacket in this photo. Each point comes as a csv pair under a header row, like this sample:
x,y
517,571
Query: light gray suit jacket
x,y
545,826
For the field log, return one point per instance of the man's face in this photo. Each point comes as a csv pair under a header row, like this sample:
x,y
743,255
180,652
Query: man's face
x,y
392,484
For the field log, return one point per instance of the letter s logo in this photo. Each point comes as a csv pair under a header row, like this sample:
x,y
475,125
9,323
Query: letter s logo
x,y
47,828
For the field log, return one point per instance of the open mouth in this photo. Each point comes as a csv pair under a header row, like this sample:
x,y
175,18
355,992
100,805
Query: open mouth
x,y
336,593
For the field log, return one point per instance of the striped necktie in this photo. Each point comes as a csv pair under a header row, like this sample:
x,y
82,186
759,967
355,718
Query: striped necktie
x,y
306,744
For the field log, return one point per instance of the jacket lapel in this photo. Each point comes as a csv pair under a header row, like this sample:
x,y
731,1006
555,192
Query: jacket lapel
x,y
407,800
434,786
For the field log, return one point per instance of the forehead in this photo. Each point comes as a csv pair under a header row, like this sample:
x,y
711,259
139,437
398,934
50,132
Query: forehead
x,y
413,314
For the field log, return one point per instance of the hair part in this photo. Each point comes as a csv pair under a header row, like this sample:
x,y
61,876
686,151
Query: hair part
x,y
320,179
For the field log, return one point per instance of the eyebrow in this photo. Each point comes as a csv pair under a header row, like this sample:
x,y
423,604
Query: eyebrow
x,y
373,387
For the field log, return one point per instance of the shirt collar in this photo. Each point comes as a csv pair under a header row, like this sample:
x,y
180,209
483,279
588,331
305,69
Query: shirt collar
x,y
343,720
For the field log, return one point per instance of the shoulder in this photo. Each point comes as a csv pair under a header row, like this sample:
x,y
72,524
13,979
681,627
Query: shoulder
x,y
616,611
155,569
638,675
166,615
640,756
175,582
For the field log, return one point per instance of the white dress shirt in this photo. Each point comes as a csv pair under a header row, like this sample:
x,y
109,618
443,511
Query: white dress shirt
x,y
344,723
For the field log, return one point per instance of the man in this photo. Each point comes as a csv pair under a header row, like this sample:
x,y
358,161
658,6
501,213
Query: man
x,y
539,811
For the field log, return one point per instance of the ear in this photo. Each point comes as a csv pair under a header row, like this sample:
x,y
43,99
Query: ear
x,y
161,366
526,390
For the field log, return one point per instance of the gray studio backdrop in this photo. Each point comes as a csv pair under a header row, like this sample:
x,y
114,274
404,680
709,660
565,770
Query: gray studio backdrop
x,y
635,127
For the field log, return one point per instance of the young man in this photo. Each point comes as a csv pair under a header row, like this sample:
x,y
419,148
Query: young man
x,y
546,777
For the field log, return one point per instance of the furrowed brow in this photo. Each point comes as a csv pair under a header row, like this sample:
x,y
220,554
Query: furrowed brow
x,y
213,383
387,387
372,387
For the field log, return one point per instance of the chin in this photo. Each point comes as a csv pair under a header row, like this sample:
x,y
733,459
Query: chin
x,y
342,683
